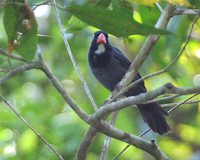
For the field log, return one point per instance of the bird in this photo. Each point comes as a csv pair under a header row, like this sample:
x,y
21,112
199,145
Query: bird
x,y
108,64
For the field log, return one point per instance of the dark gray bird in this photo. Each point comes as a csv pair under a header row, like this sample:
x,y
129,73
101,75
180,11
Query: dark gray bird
x,y
109,65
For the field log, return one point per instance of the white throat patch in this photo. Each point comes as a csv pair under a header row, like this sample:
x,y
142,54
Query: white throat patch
x,y
100,49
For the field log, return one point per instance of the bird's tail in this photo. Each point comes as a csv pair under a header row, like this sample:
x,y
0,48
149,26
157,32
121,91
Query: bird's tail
x,y
153,115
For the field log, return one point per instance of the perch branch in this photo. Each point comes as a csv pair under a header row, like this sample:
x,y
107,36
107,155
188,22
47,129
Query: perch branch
x,y
145,50
141,98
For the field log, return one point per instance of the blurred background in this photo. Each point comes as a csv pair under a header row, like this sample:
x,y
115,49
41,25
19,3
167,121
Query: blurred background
x,y
39,103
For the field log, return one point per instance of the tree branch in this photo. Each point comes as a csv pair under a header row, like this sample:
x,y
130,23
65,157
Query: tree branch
x,y
141,98
186,12
87,140
5,53
45,68
145,51
86,88
138,142
105,149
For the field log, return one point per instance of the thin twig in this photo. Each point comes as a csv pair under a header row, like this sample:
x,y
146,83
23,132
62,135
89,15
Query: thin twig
x,y
72,57
5,53
87,140
183,102
104,152
186,12
174,104
159,7
37,133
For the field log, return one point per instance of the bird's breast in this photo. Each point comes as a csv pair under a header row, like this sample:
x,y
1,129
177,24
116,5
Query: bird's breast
x,y
108,74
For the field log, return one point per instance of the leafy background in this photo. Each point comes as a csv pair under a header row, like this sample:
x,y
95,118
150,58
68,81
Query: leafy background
x,y
39,103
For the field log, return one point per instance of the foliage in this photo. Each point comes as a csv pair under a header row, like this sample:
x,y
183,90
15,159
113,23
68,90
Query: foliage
x,y
40,104
21,28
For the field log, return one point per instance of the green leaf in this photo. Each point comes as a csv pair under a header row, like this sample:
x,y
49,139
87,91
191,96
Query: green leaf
x,y
123,6
75,24
115,22
103,3
21,29
195,3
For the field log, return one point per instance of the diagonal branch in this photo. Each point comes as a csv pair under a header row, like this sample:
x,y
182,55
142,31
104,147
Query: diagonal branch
x,y
72,57
105,149
46,69
84,146
145,51
5,53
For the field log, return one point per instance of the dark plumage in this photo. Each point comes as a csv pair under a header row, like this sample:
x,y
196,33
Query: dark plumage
x,y
109,65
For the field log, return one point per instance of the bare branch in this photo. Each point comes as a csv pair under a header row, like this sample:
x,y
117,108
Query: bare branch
x,y
87,140
186,12
141,98
183,102
174,104
46,69
105,149
37,133
5,53
72,57
159,7
145,50
138,142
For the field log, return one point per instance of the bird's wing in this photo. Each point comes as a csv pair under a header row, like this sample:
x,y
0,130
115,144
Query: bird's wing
x,y
123,61
121,58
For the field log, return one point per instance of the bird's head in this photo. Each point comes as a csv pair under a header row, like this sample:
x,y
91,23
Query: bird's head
x,y
100,43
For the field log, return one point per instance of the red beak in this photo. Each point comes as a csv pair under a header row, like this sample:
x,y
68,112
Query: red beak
x,y
101,39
